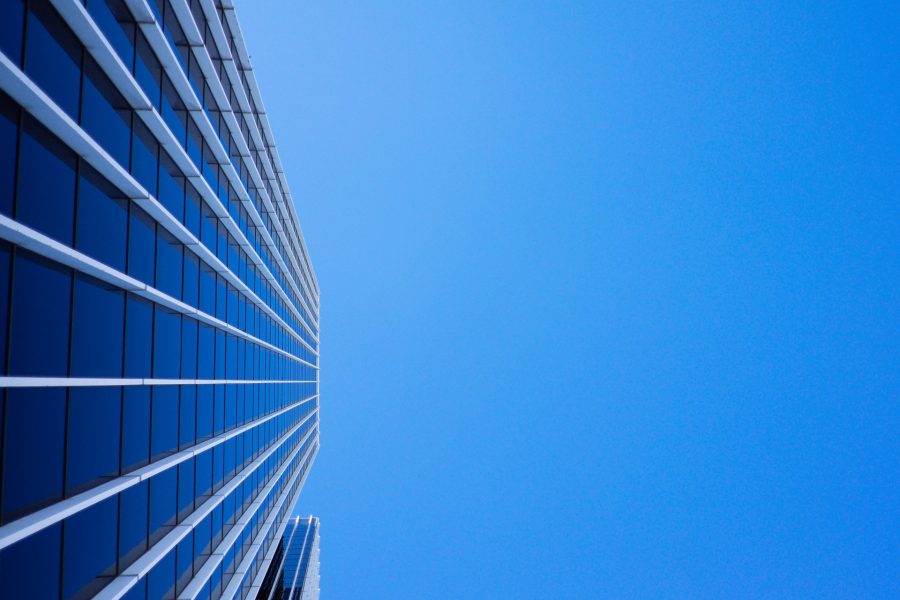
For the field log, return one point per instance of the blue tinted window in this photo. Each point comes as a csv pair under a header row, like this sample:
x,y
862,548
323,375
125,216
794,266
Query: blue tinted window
x,y
38,556
53,57
164,416
188,348
207,290
5,261
11,27
147,70
184,558
141,245
105,115
163,493
185,488
203,483
161,579
32,456
39,331
174,112
135,427
9,132
220,354
93,437
102,223
133,509
138,336
171,187
145,158
166,344
89,554
206,355
192,210
204,411
188,412
208,228
169,262
117,25
191,287
219,409
46,197
98,320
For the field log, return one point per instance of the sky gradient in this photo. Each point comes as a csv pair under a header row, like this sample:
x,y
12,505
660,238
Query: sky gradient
x,y
609,293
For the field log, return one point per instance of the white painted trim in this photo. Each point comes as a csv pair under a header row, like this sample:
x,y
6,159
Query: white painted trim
x,y
42,382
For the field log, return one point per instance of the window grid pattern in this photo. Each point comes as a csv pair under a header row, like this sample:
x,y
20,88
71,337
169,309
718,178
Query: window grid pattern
x,y
158,310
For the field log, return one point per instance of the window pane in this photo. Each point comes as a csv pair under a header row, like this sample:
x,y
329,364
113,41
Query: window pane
x,y
33,449
166,344
145,157
191,286
37,555
46,196
53,57
132,523
105,114
93,438
161,579
102,223
169,262
141,245
39,332
11,27
171,187
188,412
97,328
9,132
162,504
135,427
147,70
189,348
89,555
117,25
138,336
164,426
204,411
185,488
5,263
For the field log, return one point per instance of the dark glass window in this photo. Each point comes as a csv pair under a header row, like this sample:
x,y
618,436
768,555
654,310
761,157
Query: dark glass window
x,y
102,223
184,560
169,262
93,437
98,320
174,112
39,331
105,114
89,554
163,494
206,354
135,427
132,524
164,420
185,488
141,245
191,287
203,476
207,290
161,579
138,336
188,412
166,344
33,449
46,197
145,158
38,556
9,136
147,70
171,186
5,263
188,348
117,25
204,411
53,57
11,27
192,210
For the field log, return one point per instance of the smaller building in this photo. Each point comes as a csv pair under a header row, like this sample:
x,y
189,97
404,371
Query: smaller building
x,y
294,571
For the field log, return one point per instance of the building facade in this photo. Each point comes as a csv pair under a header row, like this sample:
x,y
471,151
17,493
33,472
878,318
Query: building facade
x,y
294,571
158,308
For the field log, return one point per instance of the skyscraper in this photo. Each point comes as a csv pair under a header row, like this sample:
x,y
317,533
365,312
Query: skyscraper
x,y
294,571
158,308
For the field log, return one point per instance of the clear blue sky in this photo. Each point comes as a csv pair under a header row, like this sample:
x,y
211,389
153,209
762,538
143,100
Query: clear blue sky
x,y
610,293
